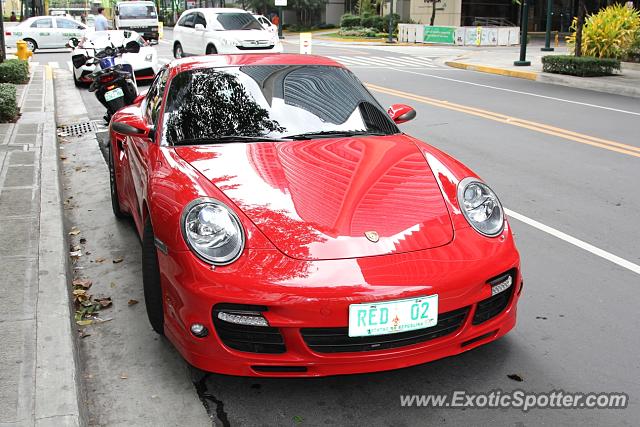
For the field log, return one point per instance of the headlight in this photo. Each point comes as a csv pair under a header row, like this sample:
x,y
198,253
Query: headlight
x,y
149,57
212,231
480,207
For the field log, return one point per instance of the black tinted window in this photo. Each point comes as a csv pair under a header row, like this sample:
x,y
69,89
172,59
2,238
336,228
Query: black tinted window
x,y
238,21
200,20
187,21
271,101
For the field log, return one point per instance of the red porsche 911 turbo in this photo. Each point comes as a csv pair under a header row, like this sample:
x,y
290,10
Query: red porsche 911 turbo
x,y
289,228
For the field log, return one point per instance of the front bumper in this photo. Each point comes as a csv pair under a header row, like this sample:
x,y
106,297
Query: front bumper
x,y
239,50
303,296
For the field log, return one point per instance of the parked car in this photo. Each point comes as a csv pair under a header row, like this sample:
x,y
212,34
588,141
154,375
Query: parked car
x,y
289,228
144,63
266,23
45,32
221,30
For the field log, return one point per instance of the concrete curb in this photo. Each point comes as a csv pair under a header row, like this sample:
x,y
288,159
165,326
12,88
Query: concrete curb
x,y
57,386
529,75
589,83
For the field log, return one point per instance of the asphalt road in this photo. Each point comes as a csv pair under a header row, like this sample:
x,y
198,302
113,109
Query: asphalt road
x,y
558,157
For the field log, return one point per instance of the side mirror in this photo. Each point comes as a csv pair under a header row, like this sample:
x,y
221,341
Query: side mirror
x,y
132,47
132,125
401,113
73,42
199,27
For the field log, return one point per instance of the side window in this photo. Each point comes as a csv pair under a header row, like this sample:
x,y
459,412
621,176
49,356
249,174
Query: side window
x,y
187,21
42,23
200,20
66,23
154,96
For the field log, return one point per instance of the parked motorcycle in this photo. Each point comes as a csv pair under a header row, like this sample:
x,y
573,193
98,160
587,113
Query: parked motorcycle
x,y
113,80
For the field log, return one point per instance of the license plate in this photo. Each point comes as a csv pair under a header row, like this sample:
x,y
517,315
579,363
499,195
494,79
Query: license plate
x,y
390,317
113,94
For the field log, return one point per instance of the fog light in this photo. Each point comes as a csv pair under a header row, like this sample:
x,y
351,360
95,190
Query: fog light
x,y
501,286
199,330
247,318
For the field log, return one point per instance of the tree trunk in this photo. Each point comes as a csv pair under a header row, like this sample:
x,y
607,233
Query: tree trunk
x,y
581,12
433,12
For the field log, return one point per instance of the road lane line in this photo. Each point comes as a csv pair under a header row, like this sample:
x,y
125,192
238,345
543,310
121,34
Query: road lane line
x,y
54,65
586,104
574,241
514,121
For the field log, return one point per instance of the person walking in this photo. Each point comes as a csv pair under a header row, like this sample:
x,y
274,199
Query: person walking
x,y
13,17
101,23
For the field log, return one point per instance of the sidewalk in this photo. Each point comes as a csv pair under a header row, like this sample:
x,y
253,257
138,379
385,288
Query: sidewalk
x,y
38,384
500,61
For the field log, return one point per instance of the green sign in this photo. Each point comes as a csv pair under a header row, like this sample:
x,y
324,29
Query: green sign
x,y
443,35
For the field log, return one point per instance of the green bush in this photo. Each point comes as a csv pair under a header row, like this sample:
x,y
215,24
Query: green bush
x,y
372,21
350,21
358,32
396,20
8,105
582,66
14,71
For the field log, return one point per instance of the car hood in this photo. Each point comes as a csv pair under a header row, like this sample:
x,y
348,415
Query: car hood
x,y
331,198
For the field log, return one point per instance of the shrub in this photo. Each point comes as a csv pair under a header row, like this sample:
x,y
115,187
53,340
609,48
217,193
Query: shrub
x,y
358,32
372,21
14,71
8,105
582,66
350,21
610,33
396,20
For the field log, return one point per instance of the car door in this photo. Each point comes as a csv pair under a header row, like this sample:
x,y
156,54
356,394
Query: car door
x,y
138,147
66,29
199,34
186,33
41,31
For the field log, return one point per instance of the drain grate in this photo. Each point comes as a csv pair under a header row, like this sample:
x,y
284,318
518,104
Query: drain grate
x,y
77,129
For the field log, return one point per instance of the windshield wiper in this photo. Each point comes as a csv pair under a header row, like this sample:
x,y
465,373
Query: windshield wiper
x,y
227,138
335,133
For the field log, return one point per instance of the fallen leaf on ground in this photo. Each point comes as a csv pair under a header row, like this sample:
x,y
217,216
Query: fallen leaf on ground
x,y
84,322
124,376
63,157
113,285
78,292
132,302
100,260
515,377
83,241
75,254
74,231
84,283
118,260
104,301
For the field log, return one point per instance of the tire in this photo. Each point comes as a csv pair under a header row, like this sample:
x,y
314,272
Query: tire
x,y
177,51
31,44
77,82
115,203
151,280
211,50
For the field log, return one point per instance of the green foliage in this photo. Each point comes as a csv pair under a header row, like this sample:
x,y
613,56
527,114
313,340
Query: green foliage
x,y
14,71
350,21
372,21
366,6
8,105
396,20
358,32
582,66
610,33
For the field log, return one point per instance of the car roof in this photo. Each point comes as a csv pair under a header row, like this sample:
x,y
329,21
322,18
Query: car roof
x,y
217,10
219,61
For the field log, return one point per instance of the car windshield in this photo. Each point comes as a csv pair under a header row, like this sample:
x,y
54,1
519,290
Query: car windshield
x,y
266,102
136,11
238,21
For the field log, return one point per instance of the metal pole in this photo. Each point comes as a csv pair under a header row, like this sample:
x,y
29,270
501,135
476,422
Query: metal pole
x,y
547,37
390,23
523,36
3,54
280,22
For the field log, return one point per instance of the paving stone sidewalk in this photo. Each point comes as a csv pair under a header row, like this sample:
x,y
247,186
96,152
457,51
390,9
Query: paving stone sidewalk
x,y
37,352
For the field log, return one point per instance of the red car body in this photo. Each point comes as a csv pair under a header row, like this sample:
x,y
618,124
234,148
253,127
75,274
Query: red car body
x,y
305,206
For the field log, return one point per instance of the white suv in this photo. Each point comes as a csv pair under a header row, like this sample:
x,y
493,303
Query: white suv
x,y
221,30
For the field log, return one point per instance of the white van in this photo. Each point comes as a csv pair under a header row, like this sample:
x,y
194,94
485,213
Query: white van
x,y
139,16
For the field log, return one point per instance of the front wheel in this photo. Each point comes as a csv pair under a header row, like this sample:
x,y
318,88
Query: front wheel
x,y
31,44
211,50
151,279
115,202
177,51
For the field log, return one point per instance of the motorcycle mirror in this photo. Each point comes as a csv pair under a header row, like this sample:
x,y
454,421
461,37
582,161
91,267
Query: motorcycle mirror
x,y
132,47
79,60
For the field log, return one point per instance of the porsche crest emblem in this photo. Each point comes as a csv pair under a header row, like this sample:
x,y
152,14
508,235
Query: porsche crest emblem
x,y
372,236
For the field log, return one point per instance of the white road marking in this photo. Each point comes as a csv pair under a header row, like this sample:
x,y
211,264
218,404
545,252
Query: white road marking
x,y
54,65
384,61
586,104
576,242
70,65
164,42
